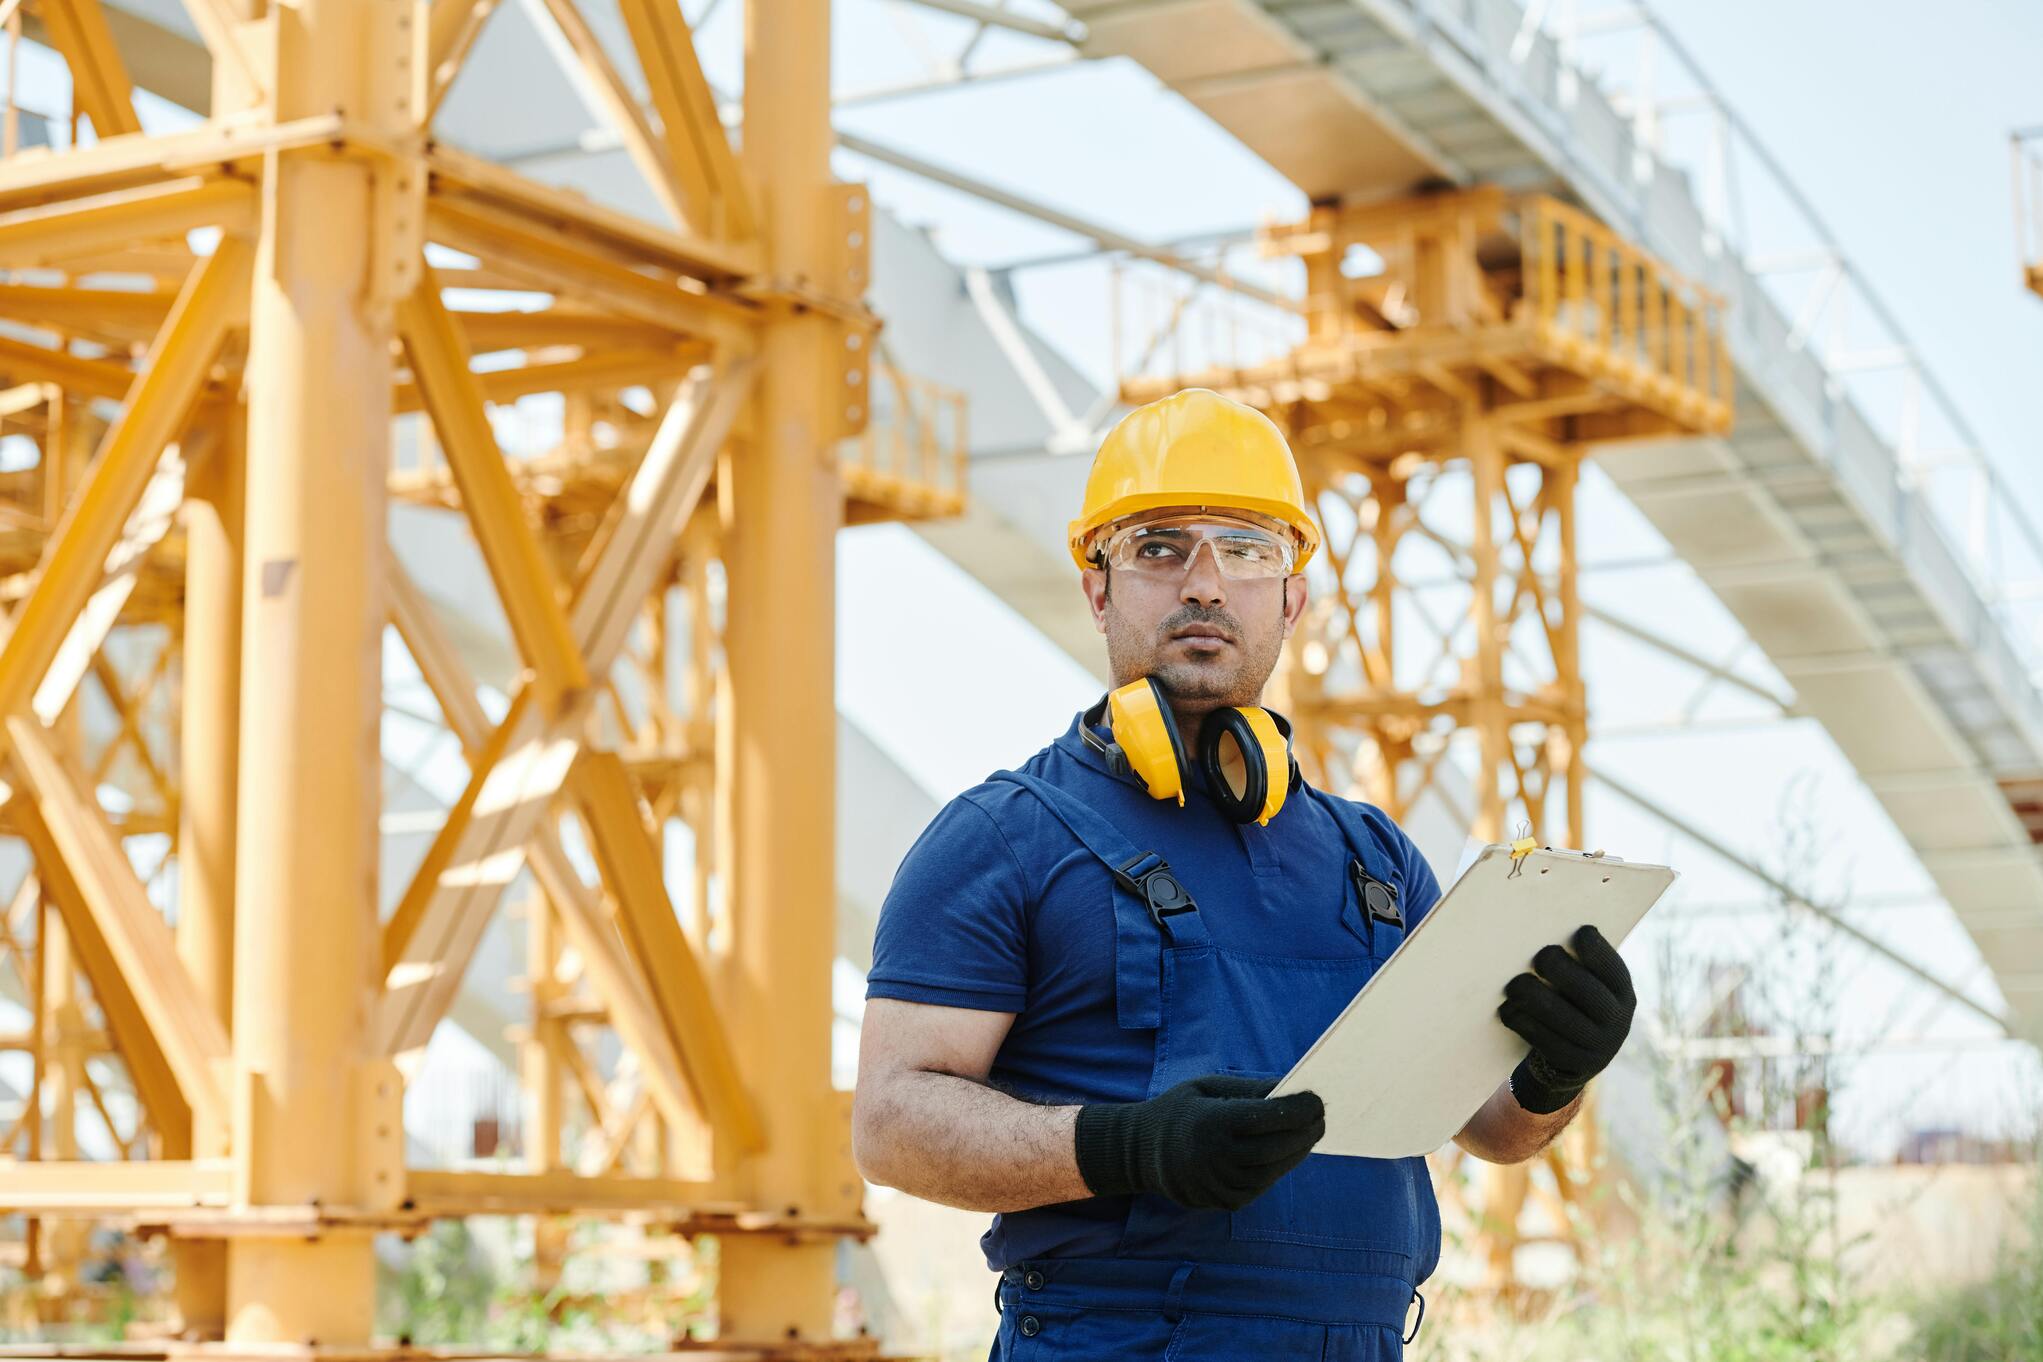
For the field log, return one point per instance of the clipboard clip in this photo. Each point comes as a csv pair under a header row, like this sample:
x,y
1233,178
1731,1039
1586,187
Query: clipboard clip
x,y
1521,847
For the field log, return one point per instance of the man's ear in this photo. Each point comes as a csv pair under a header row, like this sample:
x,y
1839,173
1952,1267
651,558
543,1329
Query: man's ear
x,y
1294,601
1094,581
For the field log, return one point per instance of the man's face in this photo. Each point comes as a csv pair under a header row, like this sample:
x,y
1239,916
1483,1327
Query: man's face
x,y
1210,640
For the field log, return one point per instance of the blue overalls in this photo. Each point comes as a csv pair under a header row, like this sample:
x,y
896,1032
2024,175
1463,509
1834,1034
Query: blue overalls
x,y
1326,1263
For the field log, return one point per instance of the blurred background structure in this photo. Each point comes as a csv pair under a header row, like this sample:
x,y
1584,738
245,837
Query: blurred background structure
x,y
494,491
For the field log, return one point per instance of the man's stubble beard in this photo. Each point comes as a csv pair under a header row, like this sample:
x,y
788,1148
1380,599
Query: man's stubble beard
x,y
1130,657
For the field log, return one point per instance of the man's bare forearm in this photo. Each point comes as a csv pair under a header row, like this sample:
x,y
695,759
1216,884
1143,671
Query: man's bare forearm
x,y
1504,1132
961,1143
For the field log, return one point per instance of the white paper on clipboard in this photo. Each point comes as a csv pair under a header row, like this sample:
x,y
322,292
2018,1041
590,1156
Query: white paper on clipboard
x,y
1419,1050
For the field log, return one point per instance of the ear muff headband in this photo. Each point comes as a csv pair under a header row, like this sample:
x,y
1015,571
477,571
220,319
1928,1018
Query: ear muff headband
x,y
1239,748
1147,735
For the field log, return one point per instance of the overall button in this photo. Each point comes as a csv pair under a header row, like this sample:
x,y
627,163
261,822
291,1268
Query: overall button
x,y
1031,1326
1033,1281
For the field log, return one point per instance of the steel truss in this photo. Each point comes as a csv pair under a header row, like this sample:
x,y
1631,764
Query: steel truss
x,y
1500,339
718,383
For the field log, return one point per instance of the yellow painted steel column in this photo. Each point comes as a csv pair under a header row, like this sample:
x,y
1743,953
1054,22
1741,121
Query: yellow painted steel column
x,y
778,788
313,1118
39,1054
208,755
1562,483
63,1240
542,1079
1484,673
1392,752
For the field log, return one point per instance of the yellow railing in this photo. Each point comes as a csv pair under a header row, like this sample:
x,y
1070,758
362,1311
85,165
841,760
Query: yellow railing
x,y
1613,308
909,461
1164,324
912,455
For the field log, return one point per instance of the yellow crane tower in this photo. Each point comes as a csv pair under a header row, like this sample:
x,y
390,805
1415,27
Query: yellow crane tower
x,y
1500,338
225,322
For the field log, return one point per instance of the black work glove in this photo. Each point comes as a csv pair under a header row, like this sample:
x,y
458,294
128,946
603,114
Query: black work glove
x,y
1575,1013
1212,1143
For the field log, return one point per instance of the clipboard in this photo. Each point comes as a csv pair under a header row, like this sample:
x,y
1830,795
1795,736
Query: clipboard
x,y
1419,1050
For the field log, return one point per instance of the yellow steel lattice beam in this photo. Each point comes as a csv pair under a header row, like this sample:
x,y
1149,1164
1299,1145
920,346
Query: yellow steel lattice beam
x,y
524,580
608,233
598,369
82,227
427,947
23,363
155,1080
223,28
628,1008
698,150
645,915
451,30
525,251
578,906
99,79
116,927
214,298
123,314
629,120
151,520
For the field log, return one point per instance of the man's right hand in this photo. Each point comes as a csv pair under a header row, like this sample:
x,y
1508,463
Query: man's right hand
x,y
1212,1143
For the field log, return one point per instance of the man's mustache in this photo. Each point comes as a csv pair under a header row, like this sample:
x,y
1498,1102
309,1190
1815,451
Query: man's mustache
x,y
1214,619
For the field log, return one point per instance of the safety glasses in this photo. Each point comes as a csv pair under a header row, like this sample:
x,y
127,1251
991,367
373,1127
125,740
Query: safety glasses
x,y
1164,547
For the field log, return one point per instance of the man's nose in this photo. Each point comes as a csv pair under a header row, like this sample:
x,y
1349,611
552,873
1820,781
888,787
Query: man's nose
x,y
1203,580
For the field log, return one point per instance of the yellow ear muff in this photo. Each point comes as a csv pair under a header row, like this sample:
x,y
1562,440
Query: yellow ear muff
x,y
1276,749
1246,759
1148,738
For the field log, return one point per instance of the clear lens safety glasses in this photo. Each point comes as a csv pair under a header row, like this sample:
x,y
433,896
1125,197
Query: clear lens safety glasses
x,y
1165,548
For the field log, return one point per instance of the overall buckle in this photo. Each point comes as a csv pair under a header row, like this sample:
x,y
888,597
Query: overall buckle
x,y
1379,899
1165,894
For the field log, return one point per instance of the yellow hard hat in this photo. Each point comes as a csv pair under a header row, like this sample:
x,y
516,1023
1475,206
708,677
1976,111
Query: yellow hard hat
x,y
1194,448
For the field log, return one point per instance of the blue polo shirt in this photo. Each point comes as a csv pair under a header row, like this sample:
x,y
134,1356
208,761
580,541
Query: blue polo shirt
x,y
997,907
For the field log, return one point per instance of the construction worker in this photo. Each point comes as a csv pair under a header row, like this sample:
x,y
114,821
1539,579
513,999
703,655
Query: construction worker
x,y
1089,972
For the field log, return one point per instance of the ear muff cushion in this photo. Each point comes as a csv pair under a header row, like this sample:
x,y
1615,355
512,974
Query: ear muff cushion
x,y
1276,750
1258,742
1147,735
1232,758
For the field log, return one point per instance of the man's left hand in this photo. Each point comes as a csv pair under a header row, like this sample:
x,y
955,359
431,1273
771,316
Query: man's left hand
x,y
1575,1013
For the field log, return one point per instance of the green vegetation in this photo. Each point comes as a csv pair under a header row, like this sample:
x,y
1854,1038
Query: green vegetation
x,y
2000,1319
450,1288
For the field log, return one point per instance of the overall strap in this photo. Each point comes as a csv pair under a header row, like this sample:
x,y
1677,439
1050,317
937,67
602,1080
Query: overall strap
x,y
1151,906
